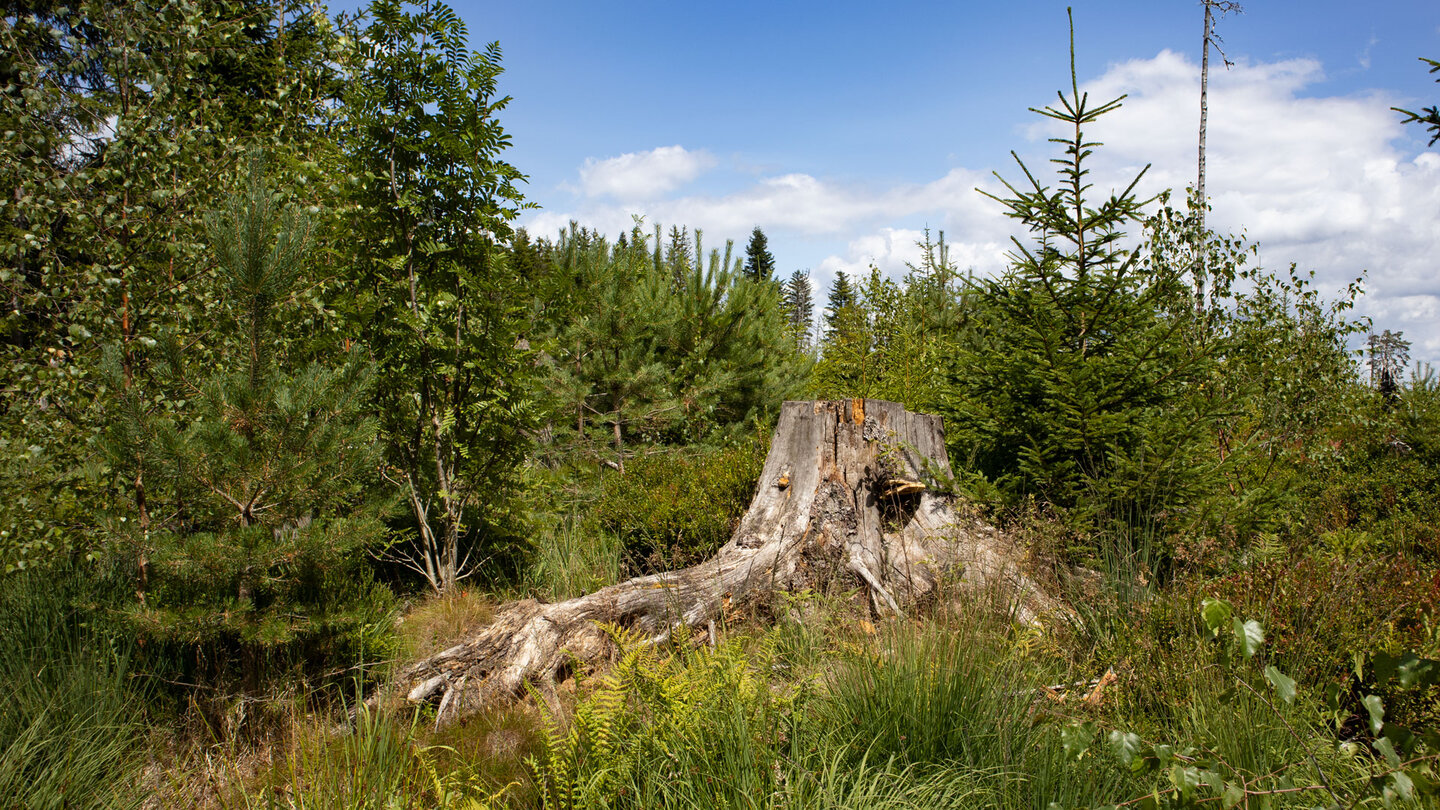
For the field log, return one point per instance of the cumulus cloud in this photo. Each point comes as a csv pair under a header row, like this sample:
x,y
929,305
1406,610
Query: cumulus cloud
x,y
636,176
889,250
1317,180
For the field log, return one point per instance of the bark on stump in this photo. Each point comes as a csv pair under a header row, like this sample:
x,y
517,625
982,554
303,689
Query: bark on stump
x,y
847,495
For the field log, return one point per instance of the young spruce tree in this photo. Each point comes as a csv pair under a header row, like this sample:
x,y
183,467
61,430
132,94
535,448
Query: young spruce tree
x,y
799,307
759,262
1080,384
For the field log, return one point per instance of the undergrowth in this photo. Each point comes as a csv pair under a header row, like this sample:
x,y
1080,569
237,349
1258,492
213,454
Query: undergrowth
x,y
71,719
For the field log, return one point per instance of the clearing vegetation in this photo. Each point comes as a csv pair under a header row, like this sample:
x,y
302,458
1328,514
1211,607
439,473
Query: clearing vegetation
x,y
326,487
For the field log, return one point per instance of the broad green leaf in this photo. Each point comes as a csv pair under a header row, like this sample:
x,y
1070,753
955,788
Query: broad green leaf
x,y
1077,739
1126,746
1250,635
1185,779
1233,795
1284,685
1402,785
1376,708
1384,666
1415,671
1216,613
1387,750
1333,691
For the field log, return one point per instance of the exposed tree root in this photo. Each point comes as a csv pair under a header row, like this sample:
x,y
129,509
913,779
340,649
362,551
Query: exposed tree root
x,y
847,497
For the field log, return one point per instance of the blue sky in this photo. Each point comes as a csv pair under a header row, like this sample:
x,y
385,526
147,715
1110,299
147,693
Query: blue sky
x,y
844,129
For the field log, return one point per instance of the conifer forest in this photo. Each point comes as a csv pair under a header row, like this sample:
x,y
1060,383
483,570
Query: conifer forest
x,y
324,484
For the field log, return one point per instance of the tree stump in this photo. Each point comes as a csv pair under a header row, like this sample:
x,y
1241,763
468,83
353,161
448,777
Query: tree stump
x,y
848,495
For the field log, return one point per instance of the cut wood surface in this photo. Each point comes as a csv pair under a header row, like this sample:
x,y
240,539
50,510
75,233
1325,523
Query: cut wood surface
x,y
848,498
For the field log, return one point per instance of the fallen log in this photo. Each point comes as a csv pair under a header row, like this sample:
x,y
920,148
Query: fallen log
x,y
848,496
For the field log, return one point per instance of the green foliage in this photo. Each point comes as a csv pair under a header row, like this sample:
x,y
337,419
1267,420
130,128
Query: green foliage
x,y
1079,388
378,764
838,306
957,693
1320,610
430,294
253,521
710,730
673,509
1369,490
572,558
932,717
121,123
645,705
799,308
1240,745
1430,116
71,722
759,263
636,359
898,341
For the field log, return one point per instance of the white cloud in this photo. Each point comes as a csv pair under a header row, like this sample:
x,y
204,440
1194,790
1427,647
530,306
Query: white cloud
x,y
636,176
888,249
1317,180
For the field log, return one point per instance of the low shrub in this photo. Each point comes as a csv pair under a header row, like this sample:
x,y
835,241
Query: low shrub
x,y
1319,610
675,508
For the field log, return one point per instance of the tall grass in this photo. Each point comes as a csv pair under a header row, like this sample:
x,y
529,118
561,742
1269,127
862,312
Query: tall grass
x,y
379,763
717,729
572,559
70,724
367,768
938,715
957,696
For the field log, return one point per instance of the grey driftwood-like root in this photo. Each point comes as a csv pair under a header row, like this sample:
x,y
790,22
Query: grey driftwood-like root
x,y
847,496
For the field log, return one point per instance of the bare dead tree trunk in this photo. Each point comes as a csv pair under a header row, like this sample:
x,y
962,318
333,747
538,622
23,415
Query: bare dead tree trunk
x,y
848,497
1204,102
1206,42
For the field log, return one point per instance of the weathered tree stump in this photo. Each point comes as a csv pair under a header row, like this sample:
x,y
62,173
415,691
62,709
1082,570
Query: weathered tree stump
x,y
847,495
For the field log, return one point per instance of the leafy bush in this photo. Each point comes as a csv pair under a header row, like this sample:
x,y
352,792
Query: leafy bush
x,y
1380,474
1242,734
1321,612
672,509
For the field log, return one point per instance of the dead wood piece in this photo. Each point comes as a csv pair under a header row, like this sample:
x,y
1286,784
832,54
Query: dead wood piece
x,y
846,506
